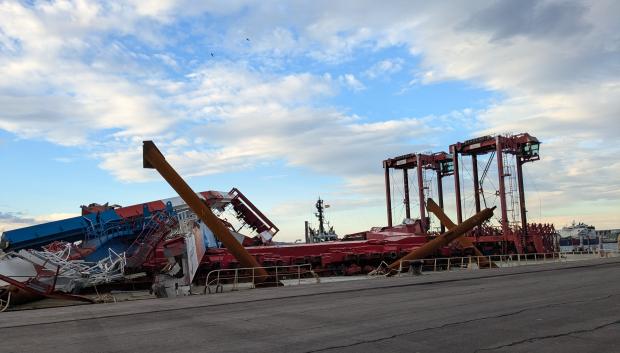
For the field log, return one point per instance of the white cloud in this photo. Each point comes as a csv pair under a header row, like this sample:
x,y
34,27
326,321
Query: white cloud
x,y
554,63
50,90
349,81
248,117
11,220
385,68
168,60
63,159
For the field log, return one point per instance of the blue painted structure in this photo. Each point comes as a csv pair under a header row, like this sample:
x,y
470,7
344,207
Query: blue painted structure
x,y
101,230
208,237
70,229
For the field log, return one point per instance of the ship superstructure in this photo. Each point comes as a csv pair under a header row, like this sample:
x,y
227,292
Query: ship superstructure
x,y
578,235
324,231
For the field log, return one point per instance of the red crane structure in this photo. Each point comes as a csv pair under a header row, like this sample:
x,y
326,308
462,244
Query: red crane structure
x,y
509,238
440,162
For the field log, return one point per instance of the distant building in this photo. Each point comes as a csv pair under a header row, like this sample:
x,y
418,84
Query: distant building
x,y
608,235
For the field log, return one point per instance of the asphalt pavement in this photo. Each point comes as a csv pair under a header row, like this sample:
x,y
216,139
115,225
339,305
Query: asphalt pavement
x,y
566,307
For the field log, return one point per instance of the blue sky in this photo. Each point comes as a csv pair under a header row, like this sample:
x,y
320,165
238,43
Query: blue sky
x,y
289,101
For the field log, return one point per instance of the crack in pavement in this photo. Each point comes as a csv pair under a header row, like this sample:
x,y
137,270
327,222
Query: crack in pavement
x,y
539,338
466,322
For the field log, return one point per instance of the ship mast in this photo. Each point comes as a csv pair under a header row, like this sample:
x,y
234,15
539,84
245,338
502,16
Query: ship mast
x,y
319,214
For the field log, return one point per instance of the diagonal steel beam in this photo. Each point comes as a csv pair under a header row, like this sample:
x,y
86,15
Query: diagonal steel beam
x,y
444,239
153,158
464,242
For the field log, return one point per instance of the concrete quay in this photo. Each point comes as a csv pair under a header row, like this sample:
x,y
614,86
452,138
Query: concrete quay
x,y
556,307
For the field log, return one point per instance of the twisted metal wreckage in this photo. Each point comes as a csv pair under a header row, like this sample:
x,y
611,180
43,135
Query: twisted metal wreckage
x,y
168,244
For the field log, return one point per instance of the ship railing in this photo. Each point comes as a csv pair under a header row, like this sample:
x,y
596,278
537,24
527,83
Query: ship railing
x,y
593,251
499,261
248,277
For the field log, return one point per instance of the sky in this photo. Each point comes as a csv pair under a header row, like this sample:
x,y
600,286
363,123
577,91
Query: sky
x,y
289,101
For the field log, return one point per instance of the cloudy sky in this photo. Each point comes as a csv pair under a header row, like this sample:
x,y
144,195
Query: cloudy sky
x,y
289,101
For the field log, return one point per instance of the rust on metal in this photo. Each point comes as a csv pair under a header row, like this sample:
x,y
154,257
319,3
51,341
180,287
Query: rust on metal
x,y
444,239
388,197
153,158
28,291
439,213
464,242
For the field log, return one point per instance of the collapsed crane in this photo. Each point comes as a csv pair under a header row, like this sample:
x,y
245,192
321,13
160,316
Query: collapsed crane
x,y
153,158
186,237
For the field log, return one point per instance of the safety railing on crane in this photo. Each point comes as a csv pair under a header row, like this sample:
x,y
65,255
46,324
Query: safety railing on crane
x,y
235,278
158,226
500,261
97,234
